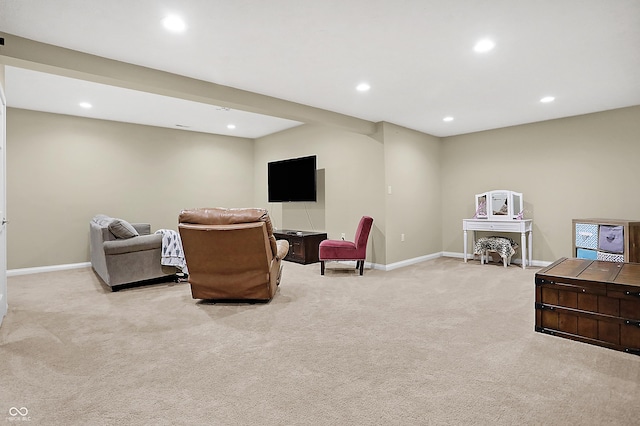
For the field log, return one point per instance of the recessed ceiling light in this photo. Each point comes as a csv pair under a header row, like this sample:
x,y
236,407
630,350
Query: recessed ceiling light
x,y
174,23
448,118
484,45
231,126
363,87
547,99
85,105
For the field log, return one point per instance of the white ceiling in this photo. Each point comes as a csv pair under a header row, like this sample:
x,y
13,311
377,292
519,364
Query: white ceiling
x,y
417,55
62,95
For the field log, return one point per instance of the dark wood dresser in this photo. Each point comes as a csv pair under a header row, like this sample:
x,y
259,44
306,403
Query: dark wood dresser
x,y
591,301
303,245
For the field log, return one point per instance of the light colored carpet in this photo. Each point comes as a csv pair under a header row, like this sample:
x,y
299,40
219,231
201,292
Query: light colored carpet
x,y
441,342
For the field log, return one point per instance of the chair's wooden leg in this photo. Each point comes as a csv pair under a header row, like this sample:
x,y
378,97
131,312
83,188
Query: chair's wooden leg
x,y
322,267
357,264
361,267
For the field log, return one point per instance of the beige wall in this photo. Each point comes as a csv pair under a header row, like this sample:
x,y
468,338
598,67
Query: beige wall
x,y
351,178
413,208
62,170
578,167
355,172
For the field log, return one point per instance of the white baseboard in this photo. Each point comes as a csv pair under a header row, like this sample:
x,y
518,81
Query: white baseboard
x,y
513,259
371,265
53,268
367,265
396,265
456,254
402,263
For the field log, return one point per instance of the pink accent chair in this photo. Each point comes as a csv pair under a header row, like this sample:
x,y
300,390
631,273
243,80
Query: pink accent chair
x,y
347,250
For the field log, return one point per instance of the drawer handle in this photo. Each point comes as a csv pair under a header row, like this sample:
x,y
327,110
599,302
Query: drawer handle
x,y
629,322
630,293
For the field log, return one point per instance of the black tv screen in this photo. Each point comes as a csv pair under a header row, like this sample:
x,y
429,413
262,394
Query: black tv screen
x,y
292,180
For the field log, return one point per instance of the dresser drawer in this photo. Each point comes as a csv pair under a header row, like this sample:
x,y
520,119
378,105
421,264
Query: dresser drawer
x,y
587,235
505,226
582,253
610,257
611,238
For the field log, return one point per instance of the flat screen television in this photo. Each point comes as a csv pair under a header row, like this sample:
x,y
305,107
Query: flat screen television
x,y
293,179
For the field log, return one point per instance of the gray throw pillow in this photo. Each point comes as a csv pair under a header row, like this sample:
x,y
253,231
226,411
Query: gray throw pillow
x,y
122,229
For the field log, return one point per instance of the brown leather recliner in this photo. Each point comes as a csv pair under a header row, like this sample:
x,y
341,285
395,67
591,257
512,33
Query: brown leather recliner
x,y
231,253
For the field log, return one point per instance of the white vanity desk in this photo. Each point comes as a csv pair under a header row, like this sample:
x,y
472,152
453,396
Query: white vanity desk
x,y
522,226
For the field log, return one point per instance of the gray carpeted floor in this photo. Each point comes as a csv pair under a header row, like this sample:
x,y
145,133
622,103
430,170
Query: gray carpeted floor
x,y
441,342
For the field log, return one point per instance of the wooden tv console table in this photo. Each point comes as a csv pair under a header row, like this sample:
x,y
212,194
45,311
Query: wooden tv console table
x,y
590,301
523,227
303,245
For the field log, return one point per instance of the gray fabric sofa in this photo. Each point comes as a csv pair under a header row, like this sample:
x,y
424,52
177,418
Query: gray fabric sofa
x,y
123,253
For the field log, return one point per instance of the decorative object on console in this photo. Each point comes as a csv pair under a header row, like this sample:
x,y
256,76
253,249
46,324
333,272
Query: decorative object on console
x,y
611,240
231,253
124,253
499,204
347,250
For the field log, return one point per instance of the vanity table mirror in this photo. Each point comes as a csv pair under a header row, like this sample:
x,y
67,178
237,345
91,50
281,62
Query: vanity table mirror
x,y
500,204
517,203
481,206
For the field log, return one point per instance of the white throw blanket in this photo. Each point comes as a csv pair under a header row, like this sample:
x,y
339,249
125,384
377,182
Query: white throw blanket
x,y
172,254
